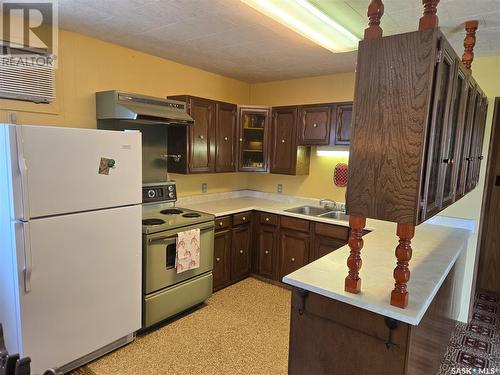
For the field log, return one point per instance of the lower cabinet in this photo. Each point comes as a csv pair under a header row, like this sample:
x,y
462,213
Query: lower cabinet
x,y
269,245
294,251
240,252
222,259
267,251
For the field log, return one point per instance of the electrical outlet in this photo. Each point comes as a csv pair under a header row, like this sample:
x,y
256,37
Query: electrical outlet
x,y
204,187
280,188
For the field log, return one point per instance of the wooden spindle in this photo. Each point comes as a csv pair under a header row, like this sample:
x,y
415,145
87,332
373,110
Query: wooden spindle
x,y
429,20
354,262
399,296
375,13
469,43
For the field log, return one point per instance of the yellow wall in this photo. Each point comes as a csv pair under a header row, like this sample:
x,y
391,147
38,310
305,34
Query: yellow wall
x,y
87,65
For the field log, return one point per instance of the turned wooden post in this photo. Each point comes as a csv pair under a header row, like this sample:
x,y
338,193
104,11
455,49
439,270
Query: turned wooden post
x,y
354,262
375,13
399,296
469,43
429,20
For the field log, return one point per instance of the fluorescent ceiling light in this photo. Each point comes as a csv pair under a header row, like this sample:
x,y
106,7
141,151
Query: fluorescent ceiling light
x,y
337,153
309,21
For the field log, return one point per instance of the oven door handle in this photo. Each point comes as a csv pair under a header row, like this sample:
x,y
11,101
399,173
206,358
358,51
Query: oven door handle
x,y
167,240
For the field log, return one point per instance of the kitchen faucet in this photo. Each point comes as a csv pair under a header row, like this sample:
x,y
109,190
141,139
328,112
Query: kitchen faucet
x,y
328,203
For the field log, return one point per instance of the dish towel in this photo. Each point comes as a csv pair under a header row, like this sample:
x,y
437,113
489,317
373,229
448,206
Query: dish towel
x,y
188,250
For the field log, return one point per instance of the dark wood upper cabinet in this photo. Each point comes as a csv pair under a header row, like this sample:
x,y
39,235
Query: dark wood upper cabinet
x,y
415,130
315,124
286,156
225,138
253,139
342,117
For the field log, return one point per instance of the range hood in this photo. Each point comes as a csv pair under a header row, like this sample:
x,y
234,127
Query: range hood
x,y
120,105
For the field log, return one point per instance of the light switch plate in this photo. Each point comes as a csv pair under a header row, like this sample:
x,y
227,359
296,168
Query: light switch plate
x,y
204,187
280,188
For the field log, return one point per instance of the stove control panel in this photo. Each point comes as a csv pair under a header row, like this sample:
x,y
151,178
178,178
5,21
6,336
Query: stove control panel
x,y
162,192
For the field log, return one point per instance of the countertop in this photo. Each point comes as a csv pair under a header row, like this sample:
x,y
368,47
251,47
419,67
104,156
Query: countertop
x,y
435,251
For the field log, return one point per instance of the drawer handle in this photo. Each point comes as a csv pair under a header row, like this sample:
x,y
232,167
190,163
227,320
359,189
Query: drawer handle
x,y
201,137
266,252
293,259
217,259
241,251
282,141
267,219
221,224
244,218
225,138
315,125
241,139
448,161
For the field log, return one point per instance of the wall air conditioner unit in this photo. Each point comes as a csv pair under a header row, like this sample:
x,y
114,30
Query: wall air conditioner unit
x,y
26,74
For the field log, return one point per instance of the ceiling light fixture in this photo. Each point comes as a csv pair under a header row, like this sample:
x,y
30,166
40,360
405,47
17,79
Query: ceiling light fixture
x,y
307,20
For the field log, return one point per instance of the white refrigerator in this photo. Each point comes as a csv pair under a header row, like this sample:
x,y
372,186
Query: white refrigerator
x,y
70,242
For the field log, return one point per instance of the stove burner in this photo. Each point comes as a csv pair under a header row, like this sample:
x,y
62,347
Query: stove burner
x,y
153,222
171,211
191,214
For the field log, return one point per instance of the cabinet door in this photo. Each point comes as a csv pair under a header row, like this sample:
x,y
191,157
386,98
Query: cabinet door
x,y
474,143
343,120
294,251
225,138
240,254
202,143
325,245
315,124
456,122
432,199
267,251
284,142
222,254
253,139
480,140
465,140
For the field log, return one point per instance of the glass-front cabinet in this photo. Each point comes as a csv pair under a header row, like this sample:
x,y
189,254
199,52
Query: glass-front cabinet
x,y
253,139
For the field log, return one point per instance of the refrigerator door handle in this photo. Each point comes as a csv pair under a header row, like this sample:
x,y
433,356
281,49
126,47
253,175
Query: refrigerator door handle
x,y
23,170
28,261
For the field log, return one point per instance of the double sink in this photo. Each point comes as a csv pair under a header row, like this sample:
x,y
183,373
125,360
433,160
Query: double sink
x,y
319,212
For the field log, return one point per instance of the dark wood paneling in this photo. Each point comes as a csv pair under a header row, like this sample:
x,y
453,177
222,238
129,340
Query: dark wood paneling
x,y
241,252
295,224
242,218
394,72
222,259
225,138
488,273
315,122
294,250
330,337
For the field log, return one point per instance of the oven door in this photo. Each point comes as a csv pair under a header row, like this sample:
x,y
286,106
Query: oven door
x,y
160,253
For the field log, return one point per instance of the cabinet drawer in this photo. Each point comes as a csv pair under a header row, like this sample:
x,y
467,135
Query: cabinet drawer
x,y
241,218
295,224
269,219
333,231
222,222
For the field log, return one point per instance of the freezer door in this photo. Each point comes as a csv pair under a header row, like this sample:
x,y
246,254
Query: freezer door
x,y
65,170
85,284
